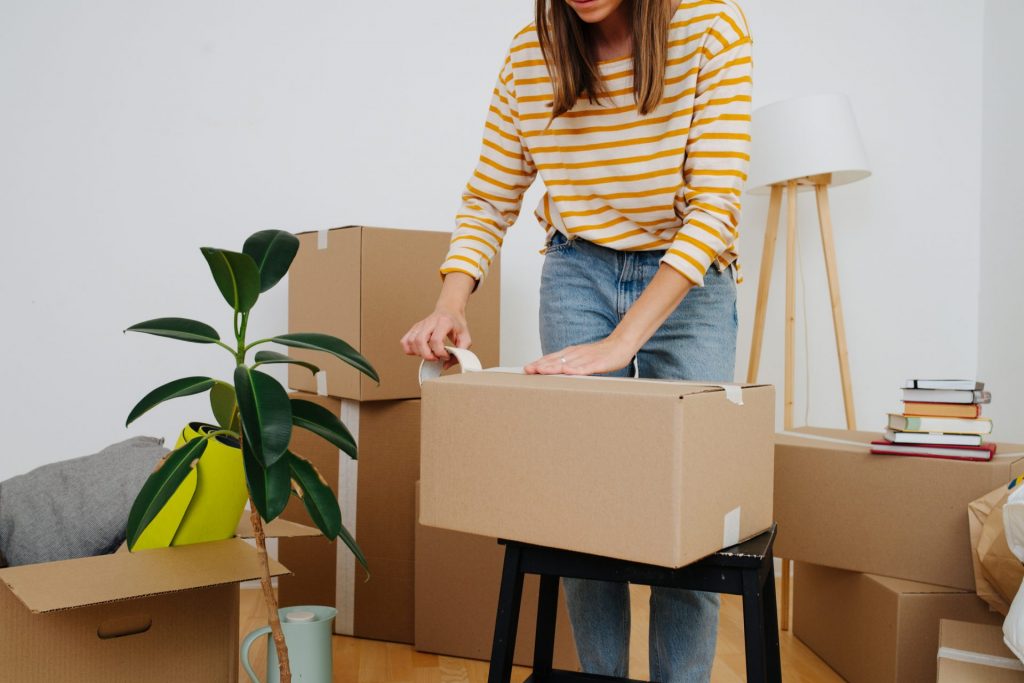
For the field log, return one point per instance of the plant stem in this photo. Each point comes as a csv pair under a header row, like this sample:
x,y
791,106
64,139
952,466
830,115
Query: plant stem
x,y
284,666
225,346
258,341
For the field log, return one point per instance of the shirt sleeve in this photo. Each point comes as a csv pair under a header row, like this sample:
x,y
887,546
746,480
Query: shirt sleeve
x,y
717,151
494,194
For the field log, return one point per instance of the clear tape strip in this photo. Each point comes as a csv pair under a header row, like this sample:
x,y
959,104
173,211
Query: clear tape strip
x,y
469,362
969,657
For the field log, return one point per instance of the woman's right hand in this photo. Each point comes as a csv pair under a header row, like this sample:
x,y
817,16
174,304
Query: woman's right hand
x,y
428,337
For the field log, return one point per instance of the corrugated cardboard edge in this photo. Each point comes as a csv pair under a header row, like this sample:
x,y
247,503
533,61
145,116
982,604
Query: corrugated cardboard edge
x,y
279,528
68,584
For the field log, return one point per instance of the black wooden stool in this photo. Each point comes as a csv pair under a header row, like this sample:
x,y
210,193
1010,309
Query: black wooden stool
x,y
745,569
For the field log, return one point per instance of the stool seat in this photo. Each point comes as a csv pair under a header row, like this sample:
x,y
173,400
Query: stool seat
x,y
745,569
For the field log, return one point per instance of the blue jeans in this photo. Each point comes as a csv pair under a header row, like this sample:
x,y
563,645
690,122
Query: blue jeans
x,y
585,290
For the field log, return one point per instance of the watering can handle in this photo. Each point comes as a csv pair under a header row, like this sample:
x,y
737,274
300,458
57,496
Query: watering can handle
x,y
246,644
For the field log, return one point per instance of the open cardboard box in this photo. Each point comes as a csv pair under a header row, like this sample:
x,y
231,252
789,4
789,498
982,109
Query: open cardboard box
x,y
167,614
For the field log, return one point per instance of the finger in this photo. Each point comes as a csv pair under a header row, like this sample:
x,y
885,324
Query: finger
x,y
462,339
407,345
422,346
437,339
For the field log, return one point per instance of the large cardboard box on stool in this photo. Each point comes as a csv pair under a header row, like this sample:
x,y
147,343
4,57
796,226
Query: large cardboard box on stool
x,y
650,471
876,629
975,653
368,286
458,577
839,506
161,616
378,506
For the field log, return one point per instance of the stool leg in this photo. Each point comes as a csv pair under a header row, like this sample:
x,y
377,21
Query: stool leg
x,y
753,627
547,613
771,625
507,620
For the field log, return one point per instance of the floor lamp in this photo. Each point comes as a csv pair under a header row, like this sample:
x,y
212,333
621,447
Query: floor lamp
x,y
807,143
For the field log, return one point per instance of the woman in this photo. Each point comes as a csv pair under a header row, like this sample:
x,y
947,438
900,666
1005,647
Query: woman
x,y
636,113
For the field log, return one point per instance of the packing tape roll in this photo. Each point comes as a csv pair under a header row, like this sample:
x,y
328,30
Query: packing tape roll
x,y
466,360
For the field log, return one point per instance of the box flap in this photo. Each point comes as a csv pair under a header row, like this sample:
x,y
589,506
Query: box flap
x,y
279,528
843,439
588,384
54,586
339,227
820,437
905,586
985,639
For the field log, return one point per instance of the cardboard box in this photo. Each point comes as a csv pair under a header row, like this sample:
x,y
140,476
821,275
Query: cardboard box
x,y
975,653
368,286
839,506
458,577
378,506
652,471
875,629
161,615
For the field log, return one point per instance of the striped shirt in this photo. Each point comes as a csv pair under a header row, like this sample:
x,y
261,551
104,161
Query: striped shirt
x,y
669,180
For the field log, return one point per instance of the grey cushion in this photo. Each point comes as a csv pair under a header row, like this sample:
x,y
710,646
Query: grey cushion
x,y
74,508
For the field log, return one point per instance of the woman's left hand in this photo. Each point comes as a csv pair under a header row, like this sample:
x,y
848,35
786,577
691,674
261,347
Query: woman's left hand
x,y
607,355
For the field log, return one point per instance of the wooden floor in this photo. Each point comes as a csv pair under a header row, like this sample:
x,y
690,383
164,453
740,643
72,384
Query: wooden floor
x,y
370,661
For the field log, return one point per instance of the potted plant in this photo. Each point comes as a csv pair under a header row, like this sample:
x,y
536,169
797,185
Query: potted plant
x,y
253,411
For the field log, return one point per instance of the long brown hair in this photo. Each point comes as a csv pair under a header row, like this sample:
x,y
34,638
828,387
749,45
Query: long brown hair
x,y
566,44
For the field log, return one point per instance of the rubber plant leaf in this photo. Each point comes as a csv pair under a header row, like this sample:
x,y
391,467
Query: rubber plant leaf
x,y
222,402
161,485
349,540
186,386
236,276
320,501
269,487
332,345
178,328
324,424
266,414
271,357
273,251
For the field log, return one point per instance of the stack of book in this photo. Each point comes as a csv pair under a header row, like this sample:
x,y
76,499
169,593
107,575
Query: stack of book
x,y
941,419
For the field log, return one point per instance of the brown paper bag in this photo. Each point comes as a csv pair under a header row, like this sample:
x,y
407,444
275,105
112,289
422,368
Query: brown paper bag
x,y
997,572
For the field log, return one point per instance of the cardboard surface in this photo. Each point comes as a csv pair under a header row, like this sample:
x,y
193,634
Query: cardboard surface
x,y
960,642
458,577
377,498
54,586
839,506
185,636
651,471
368,286
876,629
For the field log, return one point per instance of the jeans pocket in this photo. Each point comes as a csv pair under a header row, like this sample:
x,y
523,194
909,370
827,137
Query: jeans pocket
x,y
558,243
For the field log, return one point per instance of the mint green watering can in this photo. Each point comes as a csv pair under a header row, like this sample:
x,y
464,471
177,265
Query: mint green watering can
x,y
307,635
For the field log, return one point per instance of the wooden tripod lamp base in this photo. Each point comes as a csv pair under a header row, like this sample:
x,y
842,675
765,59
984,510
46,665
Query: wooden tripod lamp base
x,y
810,142
820,184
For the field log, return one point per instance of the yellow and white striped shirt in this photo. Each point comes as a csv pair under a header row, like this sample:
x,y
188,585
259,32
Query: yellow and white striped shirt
x,y
670,180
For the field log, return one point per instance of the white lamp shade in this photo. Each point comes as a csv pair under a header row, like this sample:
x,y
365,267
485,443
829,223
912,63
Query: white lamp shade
x,y
805,136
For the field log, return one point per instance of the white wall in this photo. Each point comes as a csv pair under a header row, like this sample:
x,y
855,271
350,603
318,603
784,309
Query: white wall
x,y
132,133
1000,316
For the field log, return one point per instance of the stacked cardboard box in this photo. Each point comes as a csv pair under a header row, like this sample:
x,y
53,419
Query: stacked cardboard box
x,y
367,286
899,529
